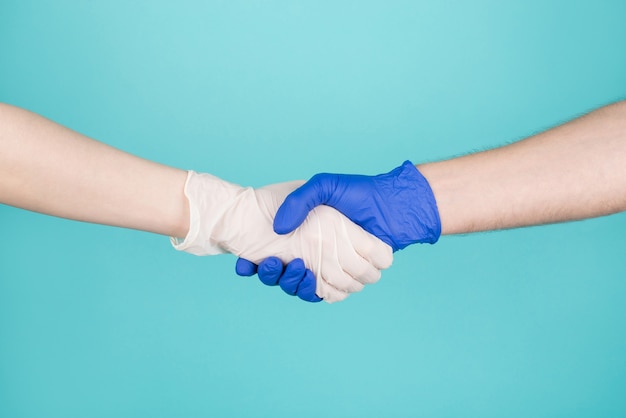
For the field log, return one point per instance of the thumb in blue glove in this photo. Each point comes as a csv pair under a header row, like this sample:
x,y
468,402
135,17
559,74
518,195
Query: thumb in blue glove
x,y
398,207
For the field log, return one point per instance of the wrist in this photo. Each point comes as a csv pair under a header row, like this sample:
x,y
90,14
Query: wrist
x,y
412,212
426,214
208,199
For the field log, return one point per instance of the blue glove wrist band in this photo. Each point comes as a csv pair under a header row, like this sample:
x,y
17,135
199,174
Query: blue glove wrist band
x,y
410,209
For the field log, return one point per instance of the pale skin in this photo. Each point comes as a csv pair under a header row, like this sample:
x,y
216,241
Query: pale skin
x,y
47,168
571,172
574,171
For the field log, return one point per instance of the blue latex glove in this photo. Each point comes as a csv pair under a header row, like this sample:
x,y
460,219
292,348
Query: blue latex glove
x,y
294,278
398,207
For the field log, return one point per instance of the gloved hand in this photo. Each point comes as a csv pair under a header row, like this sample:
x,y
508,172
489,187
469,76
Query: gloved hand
x,y
398,207
294,278
225,217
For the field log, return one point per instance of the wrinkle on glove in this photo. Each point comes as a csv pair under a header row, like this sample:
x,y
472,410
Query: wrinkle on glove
x,y
225,217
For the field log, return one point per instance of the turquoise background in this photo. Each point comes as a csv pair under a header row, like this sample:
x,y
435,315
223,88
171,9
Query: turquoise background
x,y
101,322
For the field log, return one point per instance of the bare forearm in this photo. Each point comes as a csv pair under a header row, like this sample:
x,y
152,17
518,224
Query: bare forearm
x,y
47,168
574,171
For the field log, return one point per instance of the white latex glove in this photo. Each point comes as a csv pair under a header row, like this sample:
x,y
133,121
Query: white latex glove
x,y
225,217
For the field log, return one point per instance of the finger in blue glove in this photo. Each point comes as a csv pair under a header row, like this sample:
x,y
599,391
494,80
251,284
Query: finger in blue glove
x,y
245,268
306,288
292,276
270,271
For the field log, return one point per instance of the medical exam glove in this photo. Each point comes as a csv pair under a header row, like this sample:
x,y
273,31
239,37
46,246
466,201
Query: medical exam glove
x,y
225,217
387,205
294,278
398,207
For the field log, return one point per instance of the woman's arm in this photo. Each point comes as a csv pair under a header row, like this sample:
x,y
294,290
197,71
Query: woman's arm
x,y
47,168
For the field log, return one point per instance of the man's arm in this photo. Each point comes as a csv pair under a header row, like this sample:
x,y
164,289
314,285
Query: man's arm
x,y
574,171
47,168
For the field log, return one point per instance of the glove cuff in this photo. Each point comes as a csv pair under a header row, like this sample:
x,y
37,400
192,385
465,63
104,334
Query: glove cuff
x,y
209,199
421,222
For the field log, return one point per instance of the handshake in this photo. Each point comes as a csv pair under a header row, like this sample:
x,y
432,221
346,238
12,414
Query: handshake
x,y
330,236
319,240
